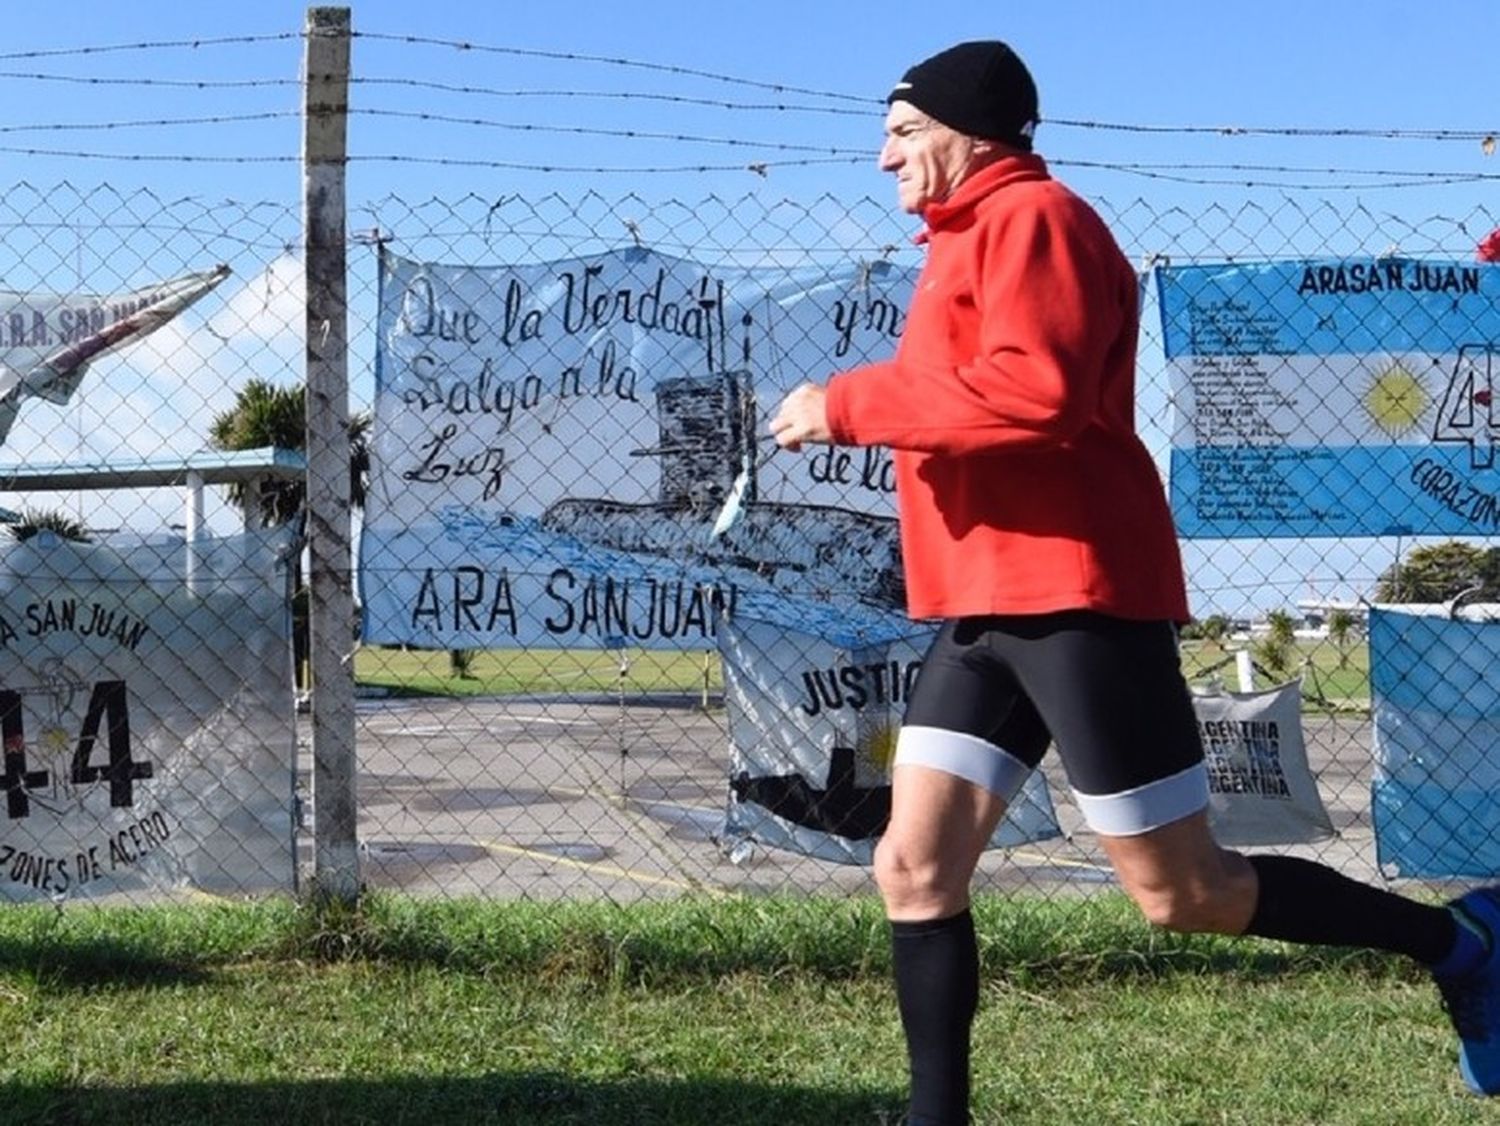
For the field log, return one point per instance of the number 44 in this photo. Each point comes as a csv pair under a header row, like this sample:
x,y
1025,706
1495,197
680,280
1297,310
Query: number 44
x,y
107,705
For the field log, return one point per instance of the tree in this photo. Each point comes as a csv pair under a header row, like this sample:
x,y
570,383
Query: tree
x,y
34,520
264,414
1438,572
1214,628
1341,625
1275,651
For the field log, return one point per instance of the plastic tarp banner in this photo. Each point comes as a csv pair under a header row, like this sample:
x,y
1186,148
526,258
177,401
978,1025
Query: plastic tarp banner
x,y
48,340
1261,790
1333,397
1436,785
147,716
553,444
813,720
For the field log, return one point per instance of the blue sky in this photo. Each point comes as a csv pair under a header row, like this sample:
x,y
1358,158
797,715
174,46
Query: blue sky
x,y
1378,66
1375,65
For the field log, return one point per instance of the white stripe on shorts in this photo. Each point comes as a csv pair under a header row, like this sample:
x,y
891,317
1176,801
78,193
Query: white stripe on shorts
x,y
969,757
1132,812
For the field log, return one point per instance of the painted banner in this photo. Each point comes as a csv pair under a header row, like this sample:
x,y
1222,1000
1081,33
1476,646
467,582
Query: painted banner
x,y
48,340
147,725
1346,397
1436,786
1260,789
813,720
553,444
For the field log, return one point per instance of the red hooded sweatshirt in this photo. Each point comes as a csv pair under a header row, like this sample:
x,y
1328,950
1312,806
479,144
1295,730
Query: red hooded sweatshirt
x,y
1010,404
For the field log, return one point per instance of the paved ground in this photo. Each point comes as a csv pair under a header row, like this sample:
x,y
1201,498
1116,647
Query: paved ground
x,y
623,799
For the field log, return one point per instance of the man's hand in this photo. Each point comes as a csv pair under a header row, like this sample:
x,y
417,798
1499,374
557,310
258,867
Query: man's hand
x,y
802,417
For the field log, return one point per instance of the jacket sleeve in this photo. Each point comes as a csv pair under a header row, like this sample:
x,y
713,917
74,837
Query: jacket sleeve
x,y
1049,307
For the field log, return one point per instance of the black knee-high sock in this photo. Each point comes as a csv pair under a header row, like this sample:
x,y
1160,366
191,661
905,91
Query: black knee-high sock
x,y
937,988
1303,901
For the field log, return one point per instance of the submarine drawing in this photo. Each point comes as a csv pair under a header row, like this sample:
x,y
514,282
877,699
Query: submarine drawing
x,y
707,437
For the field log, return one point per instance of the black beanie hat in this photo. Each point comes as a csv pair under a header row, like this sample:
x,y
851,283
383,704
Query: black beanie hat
x,y
981,89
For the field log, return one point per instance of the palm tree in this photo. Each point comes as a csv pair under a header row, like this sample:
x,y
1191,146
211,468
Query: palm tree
x,y
263,415
1438,572
59,523
1275,650
1341,624
1214,628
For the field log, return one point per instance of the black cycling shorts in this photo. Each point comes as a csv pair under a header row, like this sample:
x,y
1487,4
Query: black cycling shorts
x,y
995,691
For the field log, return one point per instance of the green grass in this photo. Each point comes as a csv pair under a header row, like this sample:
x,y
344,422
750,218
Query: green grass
x,y
1342,679
739,1012
1330,676
551,671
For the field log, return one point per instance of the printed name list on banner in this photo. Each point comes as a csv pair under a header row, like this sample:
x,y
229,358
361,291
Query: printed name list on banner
x,y
1348,397
147,719
553,443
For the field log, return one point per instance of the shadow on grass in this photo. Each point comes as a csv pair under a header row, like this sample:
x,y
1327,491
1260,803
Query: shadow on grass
x,y
685,943
544,1099
83,963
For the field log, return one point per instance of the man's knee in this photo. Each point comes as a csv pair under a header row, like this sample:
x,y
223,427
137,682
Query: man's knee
x,y
916,881
1218,902
1184,909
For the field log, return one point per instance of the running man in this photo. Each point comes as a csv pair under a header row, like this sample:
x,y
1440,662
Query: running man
x,y
1035,526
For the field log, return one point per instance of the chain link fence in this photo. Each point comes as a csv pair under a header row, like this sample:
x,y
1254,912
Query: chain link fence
x,y
521,734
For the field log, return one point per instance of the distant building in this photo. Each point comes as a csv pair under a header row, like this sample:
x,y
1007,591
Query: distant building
x,y
1316,612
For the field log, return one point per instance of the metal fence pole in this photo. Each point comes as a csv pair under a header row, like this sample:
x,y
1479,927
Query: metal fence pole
x,y
335,849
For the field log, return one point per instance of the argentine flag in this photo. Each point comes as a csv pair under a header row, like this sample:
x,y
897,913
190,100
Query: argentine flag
x,y
1333,397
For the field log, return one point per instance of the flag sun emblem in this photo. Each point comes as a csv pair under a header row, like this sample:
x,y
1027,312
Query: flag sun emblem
x,y
1396,400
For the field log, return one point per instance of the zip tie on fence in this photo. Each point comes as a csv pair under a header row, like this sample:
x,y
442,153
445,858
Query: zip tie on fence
x,y
1465,595
490,214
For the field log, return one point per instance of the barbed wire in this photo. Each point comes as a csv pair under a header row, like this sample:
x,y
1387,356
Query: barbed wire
x,y
1249,176
570,56
1165,172
1228,131
1172,171
81,126
620,95
149,45
760,167
152,158
172,83
628,134
1319,132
